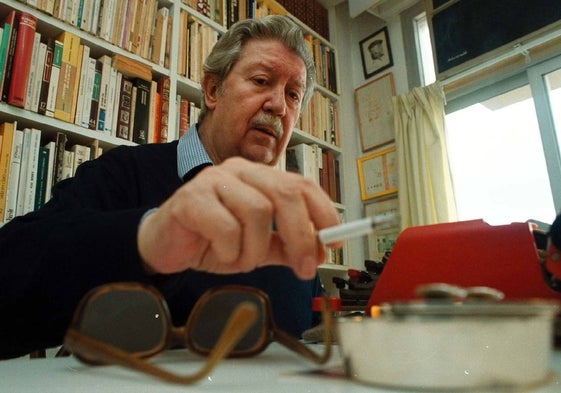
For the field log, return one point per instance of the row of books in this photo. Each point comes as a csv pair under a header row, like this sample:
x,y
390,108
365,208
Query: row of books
x,y
196,40
139,26
324,59
29,169
317,164
228,12
321,119
311,12
58,77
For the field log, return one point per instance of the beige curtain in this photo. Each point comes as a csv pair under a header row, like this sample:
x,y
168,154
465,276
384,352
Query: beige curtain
x,y
425,192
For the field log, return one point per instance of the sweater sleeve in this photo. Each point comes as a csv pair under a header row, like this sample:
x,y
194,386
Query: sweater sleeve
x,y
84,237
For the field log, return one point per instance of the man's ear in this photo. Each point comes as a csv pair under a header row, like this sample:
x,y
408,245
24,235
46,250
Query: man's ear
x,y
210,90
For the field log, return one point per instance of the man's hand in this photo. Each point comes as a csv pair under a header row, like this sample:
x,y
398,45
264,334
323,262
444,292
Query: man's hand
x,y
222,222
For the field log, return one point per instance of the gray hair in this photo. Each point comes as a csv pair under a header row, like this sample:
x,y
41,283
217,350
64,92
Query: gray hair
x,y
227,50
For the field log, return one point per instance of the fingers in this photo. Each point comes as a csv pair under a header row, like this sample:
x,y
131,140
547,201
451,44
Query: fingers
x,y
301,208
222,222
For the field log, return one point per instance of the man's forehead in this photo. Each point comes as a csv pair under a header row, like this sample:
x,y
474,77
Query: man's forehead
x,y
255,55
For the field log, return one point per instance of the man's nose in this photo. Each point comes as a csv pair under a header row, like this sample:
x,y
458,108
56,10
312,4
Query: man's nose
x,y
276,102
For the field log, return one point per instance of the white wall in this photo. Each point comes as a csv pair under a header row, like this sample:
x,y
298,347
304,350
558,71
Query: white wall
x,y
346,33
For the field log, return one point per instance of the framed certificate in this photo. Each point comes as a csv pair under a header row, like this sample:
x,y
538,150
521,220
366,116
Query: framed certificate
x,y
375,112
377,173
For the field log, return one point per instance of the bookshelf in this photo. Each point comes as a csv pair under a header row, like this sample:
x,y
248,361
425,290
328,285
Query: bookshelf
x,y
173,64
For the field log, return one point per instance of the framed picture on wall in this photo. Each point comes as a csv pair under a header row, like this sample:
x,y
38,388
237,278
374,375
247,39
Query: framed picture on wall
x,y
384,239
377,173
376,53
374,109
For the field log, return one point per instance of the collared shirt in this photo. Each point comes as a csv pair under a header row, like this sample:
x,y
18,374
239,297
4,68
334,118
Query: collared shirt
x,y
190,152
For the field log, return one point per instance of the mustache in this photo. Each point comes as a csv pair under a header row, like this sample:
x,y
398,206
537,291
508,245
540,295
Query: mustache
x,y
269,122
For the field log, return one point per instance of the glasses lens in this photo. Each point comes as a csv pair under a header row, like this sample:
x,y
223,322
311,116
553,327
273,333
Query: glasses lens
x,y
132,320
208,323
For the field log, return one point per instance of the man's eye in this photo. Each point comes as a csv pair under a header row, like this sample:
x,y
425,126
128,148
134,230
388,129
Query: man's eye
x,y
295,96
260,81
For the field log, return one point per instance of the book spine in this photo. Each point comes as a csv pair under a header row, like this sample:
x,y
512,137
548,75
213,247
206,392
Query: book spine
x,y
110,99
4,46
81,154
23,171
22,59
58,166
32,164
51,146
55,78
85,60
42,167
68,82
94,110
7,130
38,79
141,111
46,77
164,90
124,113
10,54
13,176
103,91
32,74
88,94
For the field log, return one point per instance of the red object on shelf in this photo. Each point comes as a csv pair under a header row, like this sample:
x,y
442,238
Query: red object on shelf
x,y
467,253
334,303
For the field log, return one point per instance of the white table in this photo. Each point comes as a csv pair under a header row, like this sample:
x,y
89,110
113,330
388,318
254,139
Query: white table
x,y
275,370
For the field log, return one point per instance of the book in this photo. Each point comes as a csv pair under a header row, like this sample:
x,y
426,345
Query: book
x,y
51,147
124,112
106,67
5,45
306,160
38,78
10,51
31,166
94,104
55,77
67,164
88,94
153,112
131,68
164,91
81,154
13,176
7,130
32,74
141,111
69,77
85,60
111,91
115,103
21,63
60,142
95,149
42,171
183,115
160,34
46,76
133,108
23,171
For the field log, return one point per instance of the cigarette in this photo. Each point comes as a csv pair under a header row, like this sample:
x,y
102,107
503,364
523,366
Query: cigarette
x,y
360,227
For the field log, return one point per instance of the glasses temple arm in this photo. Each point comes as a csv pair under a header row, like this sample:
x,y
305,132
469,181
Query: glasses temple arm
x,y
242,318
302,349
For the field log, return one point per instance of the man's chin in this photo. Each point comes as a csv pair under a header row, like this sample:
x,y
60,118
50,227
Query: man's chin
x,y
261,155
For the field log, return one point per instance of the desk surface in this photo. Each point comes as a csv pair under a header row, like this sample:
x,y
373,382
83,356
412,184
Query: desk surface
x,y
275,370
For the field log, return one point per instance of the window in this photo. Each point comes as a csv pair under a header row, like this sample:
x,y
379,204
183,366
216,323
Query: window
x,y
502,137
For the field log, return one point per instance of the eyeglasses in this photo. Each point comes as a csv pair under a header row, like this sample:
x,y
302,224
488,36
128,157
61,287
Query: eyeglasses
x,y
124,323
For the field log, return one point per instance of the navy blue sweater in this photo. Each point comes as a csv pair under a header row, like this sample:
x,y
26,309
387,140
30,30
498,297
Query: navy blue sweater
x,y
86,236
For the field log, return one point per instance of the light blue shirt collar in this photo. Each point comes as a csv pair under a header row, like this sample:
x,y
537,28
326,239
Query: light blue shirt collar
x,y
190,152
